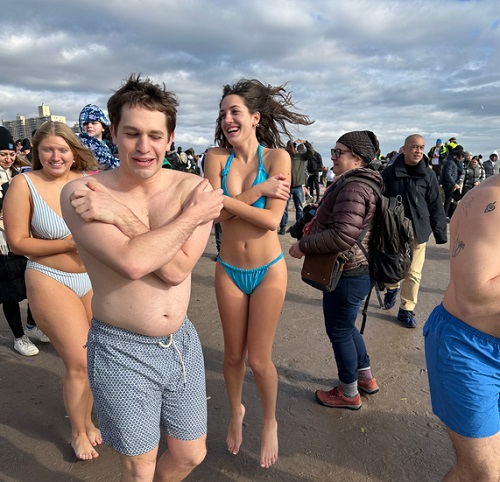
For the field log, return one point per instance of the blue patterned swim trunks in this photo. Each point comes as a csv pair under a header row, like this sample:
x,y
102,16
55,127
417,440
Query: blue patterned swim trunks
x,y
144,385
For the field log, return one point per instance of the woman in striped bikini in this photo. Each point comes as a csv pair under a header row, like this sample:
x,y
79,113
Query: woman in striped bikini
x,y
59,290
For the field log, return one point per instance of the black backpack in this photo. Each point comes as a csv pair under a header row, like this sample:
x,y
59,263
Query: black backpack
x,y
391,245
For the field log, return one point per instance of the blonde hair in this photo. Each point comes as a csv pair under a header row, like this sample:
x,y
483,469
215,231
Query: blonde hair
x,y
84,158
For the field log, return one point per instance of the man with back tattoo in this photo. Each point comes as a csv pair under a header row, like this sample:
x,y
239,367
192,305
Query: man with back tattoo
x,y
462,339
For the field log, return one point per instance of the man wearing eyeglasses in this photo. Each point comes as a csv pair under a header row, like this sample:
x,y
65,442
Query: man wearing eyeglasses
x,y
410,177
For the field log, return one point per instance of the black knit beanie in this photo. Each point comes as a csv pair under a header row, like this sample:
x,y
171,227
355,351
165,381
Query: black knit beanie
x,y
6,140
363,143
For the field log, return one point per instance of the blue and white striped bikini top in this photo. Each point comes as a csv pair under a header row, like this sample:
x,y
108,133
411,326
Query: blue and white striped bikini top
x,y
45,222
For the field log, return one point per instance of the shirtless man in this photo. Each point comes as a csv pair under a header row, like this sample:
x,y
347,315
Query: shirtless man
x,y
140,230
462,339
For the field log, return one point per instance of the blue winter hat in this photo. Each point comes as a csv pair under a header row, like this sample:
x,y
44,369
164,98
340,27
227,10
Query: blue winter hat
x,y
92,112
439,141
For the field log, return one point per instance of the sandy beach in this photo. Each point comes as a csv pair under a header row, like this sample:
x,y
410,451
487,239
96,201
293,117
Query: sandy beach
x,y
393,437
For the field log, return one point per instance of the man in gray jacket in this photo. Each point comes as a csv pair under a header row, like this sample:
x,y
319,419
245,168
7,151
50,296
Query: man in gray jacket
x,y
490,164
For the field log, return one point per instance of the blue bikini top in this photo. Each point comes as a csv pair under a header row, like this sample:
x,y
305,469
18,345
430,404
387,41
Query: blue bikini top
x,y
261,177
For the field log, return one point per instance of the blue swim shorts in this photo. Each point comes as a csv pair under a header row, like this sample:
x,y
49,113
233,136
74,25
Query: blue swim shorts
x,y
463,365
142,383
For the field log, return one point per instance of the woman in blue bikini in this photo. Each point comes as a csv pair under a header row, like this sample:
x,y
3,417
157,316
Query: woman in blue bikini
x,y
251,275
59,290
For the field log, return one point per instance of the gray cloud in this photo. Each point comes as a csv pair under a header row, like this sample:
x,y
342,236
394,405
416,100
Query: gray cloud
x,y
392,67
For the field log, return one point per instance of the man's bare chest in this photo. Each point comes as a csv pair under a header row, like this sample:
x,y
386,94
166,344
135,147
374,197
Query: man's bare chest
x,y
156,210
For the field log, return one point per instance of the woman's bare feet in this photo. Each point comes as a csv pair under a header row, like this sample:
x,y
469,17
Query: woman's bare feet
x,y
235,431
94,435
269,444
83,448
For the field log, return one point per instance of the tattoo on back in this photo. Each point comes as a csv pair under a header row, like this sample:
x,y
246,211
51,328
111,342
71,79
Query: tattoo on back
x,y
457,247
490,207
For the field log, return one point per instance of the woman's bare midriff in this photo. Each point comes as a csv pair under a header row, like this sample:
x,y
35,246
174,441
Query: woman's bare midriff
x,y
248,246
69,262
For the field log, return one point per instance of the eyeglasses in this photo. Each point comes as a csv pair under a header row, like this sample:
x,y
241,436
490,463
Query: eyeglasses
x,y
338,152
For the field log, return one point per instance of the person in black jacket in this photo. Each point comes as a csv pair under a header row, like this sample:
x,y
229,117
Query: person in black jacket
x,y
452,178
410,178
314,167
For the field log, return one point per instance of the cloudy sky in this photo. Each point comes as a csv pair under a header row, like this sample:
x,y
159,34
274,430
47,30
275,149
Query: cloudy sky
x,y
394,67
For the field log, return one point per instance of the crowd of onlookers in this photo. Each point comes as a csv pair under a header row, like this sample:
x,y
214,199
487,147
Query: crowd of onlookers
x,y
457,170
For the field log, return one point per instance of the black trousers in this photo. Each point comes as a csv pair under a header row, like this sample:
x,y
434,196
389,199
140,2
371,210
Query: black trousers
x,y
313,185
12,313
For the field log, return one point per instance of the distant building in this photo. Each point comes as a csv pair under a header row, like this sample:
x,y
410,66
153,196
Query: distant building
x,y
16,127
43,110
22,127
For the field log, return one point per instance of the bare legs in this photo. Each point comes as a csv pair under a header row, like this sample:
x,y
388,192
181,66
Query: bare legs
x,y
65,318
478,459
249,324
174,465
233,308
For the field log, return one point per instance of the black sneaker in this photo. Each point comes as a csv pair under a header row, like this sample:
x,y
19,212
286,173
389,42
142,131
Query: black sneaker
x,y
282,230
407,317
390,298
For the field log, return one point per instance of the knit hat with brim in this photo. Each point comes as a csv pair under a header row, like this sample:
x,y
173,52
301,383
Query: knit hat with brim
x,y
363,143
92,112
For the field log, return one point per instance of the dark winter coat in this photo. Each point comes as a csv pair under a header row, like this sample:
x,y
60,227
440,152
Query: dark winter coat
x,y
338,223
421,198
451,174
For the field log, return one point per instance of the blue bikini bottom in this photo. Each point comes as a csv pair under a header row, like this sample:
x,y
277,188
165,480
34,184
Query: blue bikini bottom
x,y
247,280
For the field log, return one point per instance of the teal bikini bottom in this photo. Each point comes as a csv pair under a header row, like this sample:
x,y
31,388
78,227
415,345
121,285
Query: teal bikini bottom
x,y
247,280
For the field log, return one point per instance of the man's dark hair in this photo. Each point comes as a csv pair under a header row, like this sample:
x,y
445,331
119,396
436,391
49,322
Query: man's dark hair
x,y
137,92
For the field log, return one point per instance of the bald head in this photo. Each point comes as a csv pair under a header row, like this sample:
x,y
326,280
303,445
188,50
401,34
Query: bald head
x,y
413,149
